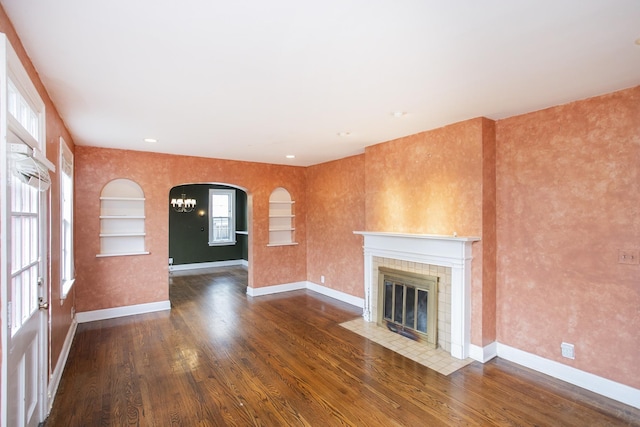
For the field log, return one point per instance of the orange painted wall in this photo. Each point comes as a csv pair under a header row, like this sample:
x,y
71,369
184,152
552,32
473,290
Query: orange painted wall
x,y
484,299
119,281
435,182
568,199
335,200
60,310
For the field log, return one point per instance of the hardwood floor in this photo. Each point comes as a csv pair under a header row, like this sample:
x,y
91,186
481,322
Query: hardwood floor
x,y
221,358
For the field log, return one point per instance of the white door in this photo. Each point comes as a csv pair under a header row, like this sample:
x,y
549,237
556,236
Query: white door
x,y
26,306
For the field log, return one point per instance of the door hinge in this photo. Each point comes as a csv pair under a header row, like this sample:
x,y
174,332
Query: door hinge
x,y
9,316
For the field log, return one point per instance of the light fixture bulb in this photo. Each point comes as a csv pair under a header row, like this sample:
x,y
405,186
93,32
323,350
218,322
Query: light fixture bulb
x,y
183,204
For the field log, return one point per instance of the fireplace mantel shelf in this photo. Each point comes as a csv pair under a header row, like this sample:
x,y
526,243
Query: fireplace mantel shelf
x,y
419,236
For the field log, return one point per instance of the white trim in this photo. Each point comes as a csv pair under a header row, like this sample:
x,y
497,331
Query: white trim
x,y
4,225
296,286
66,166
128,310
483,354
605,387
332,293
56,375
231,215
276,289
199,265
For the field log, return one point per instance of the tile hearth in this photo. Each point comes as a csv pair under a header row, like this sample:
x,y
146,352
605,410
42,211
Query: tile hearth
x,y
437,359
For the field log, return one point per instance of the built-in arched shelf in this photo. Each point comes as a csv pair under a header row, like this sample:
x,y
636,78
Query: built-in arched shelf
x,y
122,219
281,218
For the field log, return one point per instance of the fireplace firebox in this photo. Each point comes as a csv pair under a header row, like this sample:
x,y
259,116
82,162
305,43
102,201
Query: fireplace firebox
x,y
408,304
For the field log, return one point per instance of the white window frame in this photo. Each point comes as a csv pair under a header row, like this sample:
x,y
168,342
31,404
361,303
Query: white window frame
x,y
231,240
27,94
67,271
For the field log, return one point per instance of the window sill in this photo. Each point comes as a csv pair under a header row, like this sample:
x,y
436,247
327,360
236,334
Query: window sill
x,y
231,243
122,254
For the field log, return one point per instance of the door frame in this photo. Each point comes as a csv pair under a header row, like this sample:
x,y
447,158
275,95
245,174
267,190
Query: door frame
x,y
10,64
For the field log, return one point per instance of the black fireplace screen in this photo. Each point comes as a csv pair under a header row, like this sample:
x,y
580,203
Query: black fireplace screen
x,y
406,305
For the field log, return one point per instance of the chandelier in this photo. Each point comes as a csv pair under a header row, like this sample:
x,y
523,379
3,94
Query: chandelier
x,y
183,204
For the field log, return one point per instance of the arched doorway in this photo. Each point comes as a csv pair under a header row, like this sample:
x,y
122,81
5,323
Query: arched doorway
x,y
201,236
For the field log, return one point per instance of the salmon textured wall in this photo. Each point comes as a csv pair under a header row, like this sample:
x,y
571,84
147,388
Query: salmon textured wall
x,y
433,183
487,302
60,310
120,281
430,182
568,200
335,200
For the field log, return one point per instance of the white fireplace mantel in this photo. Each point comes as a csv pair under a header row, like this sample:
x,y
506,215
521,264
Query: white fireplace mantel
x,y
447,251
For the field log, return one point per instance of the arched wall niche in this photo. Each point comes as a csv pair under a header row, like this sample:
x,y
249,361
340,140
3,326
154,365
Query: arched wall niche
x,y
122,219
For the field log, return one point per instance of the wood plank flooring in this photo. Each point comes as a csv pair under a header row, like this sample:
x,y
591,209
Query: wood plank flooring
x,y
220,358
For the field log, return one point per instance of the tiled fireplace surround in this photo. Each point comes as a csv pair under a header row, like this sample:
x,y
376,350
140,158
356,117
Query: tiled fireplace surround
x,y
444,292
447,257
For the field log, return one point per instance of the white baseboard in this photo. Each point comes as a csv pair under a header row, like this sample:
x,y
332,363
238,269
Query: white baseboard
x,y
611,389
276,289
483,354
56,374
339,295
129,310
199,265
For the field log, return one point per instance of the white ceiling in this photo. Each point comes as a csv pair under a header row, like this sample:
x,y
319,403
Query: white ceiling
x,y
257,80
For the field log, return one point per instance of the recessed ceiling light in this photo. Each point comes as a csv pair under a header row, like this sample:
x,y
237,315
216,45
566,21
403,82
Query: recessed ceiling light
x,y
290,156
150,140
638,42
399,113
344,133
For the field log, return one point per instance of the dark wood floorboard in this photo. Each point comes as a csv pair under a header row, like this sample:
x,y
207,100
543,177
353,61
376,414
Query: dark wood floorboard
x,y
221,358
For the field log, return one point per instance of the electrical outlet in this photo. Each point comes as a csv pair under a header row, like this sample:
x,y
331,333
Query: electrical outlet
x,y
568,350
321,279
628,257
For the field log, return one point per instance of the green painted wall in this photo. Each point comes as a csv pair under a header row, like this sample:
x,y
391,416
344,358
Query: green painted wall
x,y
189,232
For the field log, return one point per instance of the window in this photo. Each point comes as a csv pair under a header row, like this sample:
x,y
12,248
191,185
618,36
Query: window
x,y
67,275
22,111
26,110
222,221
